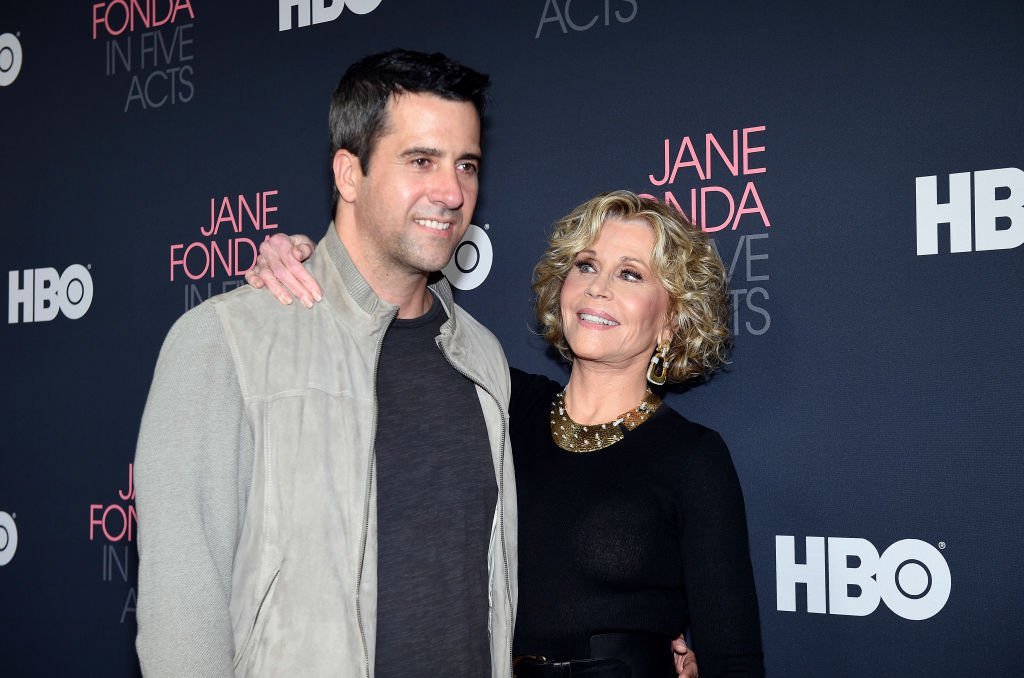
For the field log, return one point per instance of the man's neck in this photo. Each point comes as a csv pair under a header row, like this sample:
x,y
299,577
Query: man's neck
x,y
403,288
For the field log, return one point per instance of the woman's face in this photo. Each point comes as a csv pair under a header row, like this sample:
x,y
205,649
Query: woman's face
x,y
614,308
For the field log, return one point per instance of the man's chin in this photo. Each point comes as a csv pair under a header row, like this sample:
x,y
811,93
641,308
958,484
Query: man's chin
x,y
433,262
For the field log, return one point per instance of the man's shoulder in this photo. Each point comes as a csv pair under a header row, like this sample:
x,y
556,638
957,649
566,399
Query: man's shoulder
x,y
206,323
475,330
245,298
478,350
247,310
198,322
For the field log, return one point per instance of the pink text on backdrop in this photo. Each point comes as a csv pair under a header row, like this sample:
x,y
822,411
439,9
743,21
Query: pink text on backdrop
x,y
206,258
116,521
119,16
715,207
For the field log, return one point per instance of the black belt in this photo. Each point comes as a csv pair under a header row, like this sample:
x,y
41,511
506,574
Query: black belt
x,y
535,667
633,654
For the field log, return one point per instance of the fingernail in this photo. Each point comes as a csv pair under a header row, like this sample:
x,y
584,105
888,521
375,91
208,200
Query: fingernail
x,y
285,300
307,303
316,295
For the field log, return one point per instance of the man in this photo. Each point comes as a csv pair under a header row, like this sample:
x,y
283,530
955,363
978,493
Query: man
x,y
330,492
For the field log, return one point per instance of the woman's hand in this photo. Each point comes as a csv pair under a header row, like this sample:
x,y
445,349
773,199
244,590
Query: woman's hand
x,y
686,661
279,268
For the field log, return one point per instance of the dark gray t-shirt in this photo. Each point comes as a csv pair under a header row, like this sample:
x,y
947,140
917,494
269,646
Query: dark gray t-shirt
x,y
436,493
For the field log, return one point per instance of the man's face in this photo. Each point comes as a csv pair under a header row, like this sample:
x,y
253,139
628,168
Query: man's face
x,y
416,200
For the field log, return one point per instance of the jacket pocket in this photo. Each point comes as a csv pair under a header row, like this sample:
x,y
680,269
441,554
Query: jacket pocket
x,y
255,630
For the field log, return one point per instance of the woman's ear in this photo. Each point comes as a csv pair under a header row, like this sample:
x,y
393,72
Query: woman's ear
x,y
668,330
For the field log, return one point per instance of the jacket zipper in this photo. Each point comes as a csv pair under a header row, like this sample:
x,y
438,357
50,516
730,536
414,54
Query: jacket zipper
x,y
501,492
366,502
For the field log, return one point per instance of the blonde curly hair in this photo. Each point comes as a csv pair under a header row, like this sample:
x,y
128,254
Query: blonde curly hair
x,y
683,259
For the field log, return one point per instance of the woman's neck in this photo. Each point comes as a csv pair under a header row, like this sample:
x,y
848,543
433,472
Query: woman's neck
x,y
597,394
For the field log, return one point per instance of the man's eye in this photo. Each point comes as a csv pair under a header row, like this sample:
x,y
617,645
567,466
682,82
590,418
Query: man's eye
x,y
468,168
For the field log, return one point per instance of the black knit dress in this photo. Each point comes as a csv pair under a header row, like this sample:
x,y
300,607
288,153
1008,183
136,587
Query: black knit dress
x,y
648,534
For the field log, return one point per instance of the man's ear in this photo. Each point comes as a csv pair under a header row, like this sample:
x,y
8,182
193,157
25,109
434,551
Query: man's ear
x,y
348,174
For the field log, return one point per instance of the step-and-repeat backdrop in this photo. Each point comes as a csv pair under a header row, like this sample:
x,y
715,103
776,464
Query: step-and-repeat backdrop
x,y
859,166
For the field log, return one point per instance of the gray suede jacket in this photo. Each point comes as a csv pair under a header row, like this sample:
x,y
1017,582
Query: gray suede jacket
x,y
255,490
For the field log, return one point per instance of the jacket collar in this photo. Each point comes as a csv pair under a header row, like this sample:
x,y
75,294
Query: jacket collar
x,y
361,292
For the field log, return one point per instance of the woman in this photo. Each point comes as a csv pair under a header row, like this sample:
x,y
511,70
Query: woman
x,y
631,519
630,516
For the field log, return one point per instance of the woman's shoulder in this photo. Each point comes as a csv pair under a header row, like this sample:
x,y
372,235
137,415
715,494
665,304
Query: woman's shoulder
x,y
531,398
698,458
672,421
529,408
695,442
528,387
526,379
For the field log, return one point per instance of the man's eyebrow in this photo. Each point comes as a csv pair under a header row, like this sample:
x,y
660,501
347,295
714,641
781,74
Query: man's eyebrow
x,y
422,150
432,152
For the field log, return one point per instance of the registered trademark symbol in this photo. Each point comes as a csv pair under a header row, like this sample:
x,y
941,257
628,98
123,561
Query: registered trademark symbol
x,y
89,266
487,227
942,545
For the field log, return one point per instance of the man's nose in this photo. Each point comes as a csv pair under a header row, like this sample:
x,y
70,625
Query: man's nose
x,y
446,189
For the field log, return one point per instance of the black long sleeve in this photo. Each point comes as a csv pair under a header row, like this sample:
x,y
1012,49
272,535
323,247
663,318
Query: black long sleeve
x,y
648,534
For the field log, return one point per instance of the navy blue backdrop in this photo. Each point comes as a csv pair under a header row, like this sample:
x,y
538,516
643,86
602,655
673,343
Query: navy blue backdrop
x,y
857,164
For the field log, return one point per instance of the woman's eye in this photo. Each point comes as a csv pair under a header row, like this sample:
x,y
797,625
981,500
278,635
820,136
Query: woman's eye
x,y
630,274
584,267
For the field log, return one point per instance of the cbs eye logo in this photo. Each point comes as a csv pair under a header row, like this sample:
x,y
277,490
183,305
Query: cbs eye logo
x,y
8,538
10,58
472,259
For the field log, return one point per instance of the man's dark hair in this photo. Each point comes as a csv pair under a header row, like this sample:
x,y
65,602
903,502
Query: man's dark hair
x,y
358,115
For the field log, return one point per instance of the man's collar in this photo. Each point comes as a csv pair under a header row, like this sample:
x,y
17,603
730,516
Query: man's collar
x,y
356,284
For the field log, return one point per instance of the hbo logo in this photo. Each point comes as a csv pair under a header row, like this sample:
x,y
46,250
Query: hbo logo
x,y
10,58
911,576
8,538
319,11
472,259
41,293
996,220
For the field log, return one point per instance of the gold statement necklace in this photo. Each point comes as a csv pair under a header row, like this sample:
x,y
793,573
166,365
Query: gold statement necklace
x,y
573,437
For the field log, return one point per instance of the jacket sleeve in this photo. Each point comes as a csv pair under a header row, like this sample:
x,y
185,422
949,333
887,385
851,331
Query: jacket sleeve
x,y
193,467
